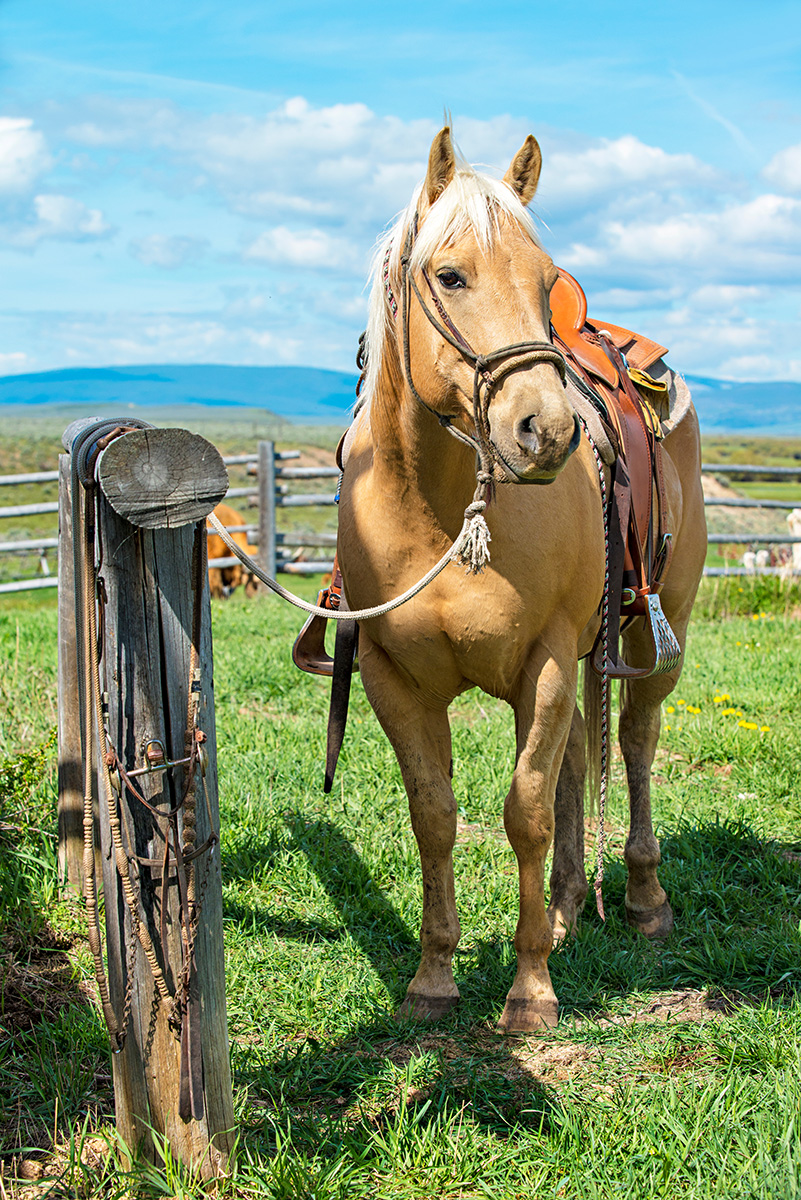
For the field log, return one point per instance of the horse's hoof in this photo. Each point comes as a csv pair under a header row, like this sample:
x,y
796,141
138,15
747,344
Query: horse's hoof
x,y
653,923
425,1008
528,1016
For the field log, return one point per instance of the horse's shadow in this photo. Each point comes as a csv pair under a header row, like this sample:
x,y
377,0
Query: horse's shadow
x,y
492,1081
489,1083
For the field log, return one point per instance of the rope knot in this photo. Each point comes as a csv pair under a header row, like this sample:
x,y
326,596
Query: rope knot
x,y
473,546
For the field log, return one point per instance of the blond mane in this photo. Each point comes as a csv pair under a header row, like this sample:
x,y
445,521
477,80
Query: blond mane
x,y
471,203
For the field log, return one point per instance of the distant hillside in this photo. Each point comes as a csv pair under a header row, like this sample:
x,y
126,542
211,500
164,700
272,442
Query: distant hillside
x,y
312,396
767,409
302,395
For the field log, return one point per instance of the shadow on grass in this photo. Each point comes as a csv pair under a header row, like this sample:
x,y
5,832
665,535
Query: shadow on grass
x,y
51,1044
737,902
483,1080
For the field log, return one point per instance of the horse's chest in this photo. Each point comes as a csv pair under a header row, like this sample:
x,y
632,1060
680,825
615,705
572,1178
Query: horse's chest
x,y
447,640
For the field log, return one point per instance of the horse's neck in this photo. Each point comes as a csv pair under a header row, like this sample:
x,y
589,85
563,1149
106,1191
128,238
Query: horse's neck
x,y
415,457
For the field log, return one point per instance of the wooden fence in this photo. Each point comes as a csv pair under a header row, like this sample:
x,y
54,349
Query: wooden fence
x,y
272,490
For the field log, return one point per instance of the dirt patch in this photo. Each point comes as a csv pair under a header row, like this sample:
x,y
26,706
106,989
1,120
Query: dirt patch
x,y
37,981
729,1002
468,831
716,489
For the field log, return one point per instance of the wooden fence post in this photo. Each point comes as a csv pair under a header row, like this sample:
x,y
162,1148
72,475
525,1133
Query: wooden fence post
x,y
161,477
70,769
267,538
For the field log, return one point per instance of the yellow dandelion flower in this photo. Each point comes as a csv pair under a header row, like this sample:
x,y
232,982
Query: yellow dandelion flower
x,y
728,712
725,696
764,729
667,727
670,709
738,643
739,714
754,616
747,724
681,702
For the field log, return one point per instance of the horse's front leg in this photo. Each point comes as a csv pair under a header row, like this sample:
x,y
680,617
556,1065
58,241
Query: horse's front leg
x,y
543,711
420,736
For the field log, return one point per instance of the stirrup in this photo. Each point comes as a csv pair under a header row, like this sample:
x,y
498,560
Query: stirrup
x,y
667,651
309,652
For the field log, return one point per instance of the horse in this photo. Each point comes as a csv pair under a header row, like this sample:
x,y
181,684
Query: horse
x,y
463,267
224,580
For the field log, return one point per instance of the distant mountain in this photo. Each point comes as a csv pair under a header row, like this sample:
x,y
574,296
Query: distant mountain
x,y
312,396
302,395
768,409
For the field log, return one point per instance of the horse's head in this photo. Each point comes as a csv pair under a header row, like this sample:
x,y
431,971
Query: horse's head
x,y
476,282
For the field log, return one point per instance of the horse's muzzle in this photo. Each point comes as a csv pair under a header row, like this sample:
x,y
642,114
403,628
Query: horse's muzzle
x,y
540,459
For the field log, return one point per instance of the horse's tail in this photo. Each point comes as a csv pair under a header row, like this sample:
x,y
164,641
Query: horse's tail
x,y
592,729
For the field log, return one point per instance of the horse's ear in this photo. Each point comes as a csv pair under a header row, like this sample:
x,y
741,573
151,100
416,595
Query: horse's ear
x,y
524,173
441,165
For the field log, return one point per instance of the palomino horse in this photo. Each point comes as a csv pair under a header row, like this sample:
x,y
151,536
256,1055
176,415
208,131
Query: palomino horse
x,y
462,268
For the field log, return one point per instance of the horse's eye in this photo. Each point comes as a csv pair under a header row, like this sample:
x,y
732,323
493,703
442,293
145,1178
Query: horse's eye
x,y
450,279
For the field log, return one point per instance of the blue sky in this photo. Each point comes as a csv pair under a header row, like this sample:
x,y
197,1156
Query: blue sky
x,y
204,183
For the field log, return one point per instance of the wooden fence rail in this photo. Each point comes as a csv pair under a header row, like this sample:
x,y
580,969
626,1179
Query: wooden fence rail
x,y
271,491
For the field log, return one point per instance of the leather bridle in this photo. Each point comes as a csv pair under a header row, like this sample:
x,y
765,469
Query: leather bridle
x,y
488,369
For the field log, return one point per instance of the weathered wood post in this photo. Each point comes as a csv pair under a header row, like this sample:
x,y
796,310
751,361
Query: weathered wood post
x,y
267,538
159,817
70,771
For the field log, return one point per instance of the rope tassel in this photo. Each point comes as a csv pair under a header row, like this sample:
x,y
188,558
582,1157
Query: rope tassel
x,y
474,553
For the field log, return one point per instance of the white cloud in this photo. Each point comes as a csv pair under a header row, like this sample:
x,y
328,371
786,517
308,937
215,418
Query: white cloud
x,y
313,248
784,170
66,217
661,241
13,363
23,154
611,167
61,218
758,240
168,253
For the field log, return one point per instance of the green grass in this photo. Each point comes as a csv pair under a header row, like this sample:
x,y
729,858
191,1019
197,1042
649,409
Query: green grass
x,y
322,907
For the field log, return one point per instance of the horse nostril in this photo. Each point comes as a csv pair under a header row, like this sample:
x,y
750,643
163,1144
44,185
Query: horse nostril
x,y
576,438
526,434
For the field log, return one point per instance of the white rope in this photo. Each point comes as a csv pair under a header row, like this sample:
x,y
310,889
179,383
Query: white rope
x,y
469,548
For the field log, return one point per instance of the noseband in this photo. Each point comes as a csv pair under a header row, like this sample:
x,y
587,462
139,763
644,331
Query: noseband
x,y
488,369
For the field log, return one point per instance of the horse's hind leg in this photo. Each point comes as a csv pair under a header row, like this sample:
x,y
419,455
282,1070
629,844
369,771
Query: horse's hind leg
x,y
647,907
568,877
421,739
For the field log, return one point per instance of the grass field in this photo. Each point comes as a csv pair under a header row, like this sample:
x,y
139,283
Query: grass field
x,y
676,1068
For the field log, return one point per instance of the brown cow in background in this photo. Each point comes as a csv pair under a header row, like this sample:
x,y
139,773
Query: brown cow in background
x,y
223,580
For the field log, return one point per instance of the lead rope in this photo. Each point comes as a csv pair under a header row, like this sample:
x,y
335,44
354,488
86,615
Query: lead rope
x,y
465,549
603,782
